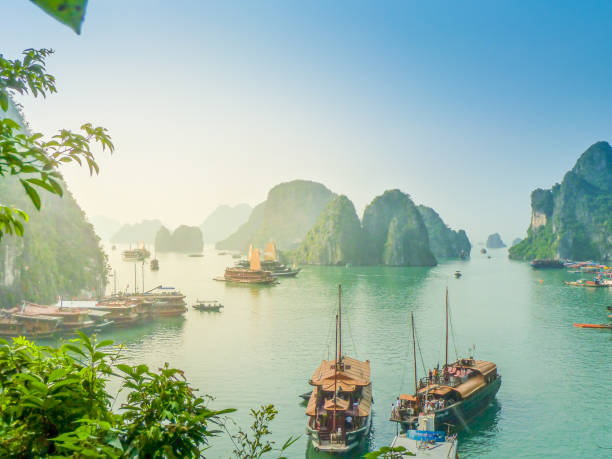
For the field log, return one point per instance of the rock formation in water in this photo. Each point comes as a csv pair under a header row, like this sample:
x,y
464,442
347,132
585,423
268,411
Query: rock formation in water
x,y
443,241
336,238
395,232
187,239
285,217
59,255
494,241
573,220
144,231
224,221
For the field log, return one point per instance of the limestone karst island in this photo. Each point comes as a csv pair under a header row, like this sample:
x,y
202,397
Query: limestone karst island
x,y
305,229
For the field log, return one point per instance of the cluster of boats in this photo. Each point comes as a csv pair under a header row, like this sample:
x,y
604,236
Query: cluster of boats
x,y
339,407
254,270
43,321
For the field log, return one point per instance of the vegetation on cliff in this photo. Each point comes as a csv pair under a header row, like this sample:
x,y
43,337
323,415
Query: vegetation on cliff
x,y
289,211
444,242
573,220
224,221
395,232
186,239
494,241
336,238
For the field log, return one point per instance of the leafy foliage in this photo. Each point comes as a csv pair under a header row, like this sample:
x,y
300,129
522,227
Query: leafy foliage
x,y
254,445
28,156
387,452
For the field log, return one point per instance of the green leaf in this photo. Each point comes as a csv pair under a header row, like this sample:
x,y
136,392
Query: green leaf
x,y
34,197
69,12
4,101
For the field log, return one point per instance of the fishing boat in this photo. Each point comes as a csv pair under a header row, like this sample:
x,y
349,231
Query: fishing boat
x,y
483,250
207,305
254,274
339,408
196,255
595,283
154,264
270,263
607,326
454,395
427,442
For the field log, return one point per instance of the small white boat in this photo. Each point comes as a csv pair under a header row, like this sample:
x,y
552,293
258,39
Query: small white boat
x,y
427,442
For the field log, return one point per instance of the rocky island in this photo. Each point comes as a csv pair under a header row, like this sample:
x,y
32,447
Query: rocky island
x,y
494,241
573,219
444,242
187,239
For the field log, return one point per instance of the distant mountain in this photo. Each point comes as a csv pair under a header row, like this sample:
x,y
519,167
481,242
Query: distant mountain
x,y
105,227
223,221
573,220
186,239
336,238
516,241
285,217
494,241
444,242
395,232
144,231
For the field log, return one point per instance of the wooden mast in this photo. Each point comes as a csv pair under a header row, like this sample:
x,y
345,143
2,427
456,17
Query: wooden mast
x,y
414,355
335,376
340,323
446,333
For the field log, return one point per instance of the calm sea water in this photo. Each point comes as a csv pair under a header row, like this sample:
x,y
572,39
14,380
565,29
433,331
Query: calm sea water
x,y
555,396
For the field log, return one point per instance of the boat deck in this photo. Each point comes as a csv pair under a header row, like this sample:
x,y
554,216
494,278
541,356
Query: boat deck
x,y
421,448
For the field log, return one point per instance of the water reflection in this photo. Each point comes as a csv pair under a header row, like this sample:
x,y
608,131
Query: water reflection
x,y
480,435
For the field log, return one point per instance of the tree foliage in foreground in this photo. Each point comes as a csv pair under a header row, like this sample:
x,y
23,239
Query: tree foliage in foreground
x,y
28,156
55,402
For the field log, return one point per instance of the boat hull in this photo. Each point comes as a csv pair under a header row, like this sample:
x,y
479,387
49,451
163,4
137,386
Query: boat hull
x,y
458,414
352,439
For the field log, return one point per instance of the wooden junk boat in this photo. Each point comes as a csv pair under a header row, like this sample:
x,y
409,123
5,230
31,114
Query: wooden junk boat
x,y
254,274
137,254
162,301
123,311
41,326
270,262
339,408
207,305
453,396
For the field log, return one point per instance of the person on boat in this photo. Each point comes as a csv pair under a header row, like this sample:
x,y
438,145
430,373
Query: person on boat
x,y
435,374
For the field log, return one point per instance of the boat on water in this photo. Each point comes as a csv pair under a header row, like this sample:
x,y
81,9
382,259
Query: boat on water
x,y
339,409
595,283
137,254
425,441
122,311
207,305
270,263
457,274
254,274
483,250
154,264
454,395
40,326
606,326
195,255
162,301
73,319
547,263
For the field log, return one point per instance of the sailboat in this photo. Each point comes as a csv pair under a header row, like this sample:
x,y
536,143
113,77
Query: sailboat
x,y
453,396
270,262
339,409
254,274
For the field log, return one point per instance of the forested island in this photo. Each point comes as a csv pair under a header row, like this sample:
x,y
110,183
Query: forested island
x,y
573,219
313,225
186,239
494,241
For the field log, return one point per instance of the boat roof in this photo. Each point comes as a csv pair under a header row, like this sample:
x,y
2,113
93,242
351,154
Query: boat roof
x,y
355,373
38,317
408,397
481,366
33,309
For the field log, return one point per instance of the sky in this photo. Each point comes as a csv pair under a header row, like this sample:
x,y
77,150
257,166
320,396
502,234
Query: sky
x,y
466,106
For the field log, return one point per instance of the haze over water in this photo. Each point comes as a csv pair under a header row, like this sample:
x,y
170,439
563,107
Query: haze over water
x,y
266,343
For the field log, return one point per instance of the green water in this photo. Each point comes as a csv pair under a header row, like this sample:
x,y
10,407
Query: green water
x,y
555,396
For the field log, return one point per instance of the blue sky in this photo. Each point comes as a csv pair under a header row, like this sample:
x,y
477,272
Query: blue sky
x,y
467,106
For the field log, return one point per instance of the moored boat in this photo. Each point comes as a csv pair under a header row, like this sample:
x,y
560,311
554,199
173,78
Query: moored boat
x,y
254,274
39,326
207,305
340,405
454,395
154,264
73,319
425,441
137,254
547,263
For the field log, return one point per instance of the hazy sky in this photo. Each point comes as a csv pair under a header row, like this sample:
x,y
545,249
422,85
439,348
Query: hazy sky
x,y
467,106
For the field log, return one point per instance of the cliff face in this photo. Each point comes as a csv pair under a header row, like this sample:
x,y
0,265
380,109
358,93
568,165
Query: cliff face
x,y
59,254
336,238
395,232
224,221
285,217
573,220
186,239
444,242
494,241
